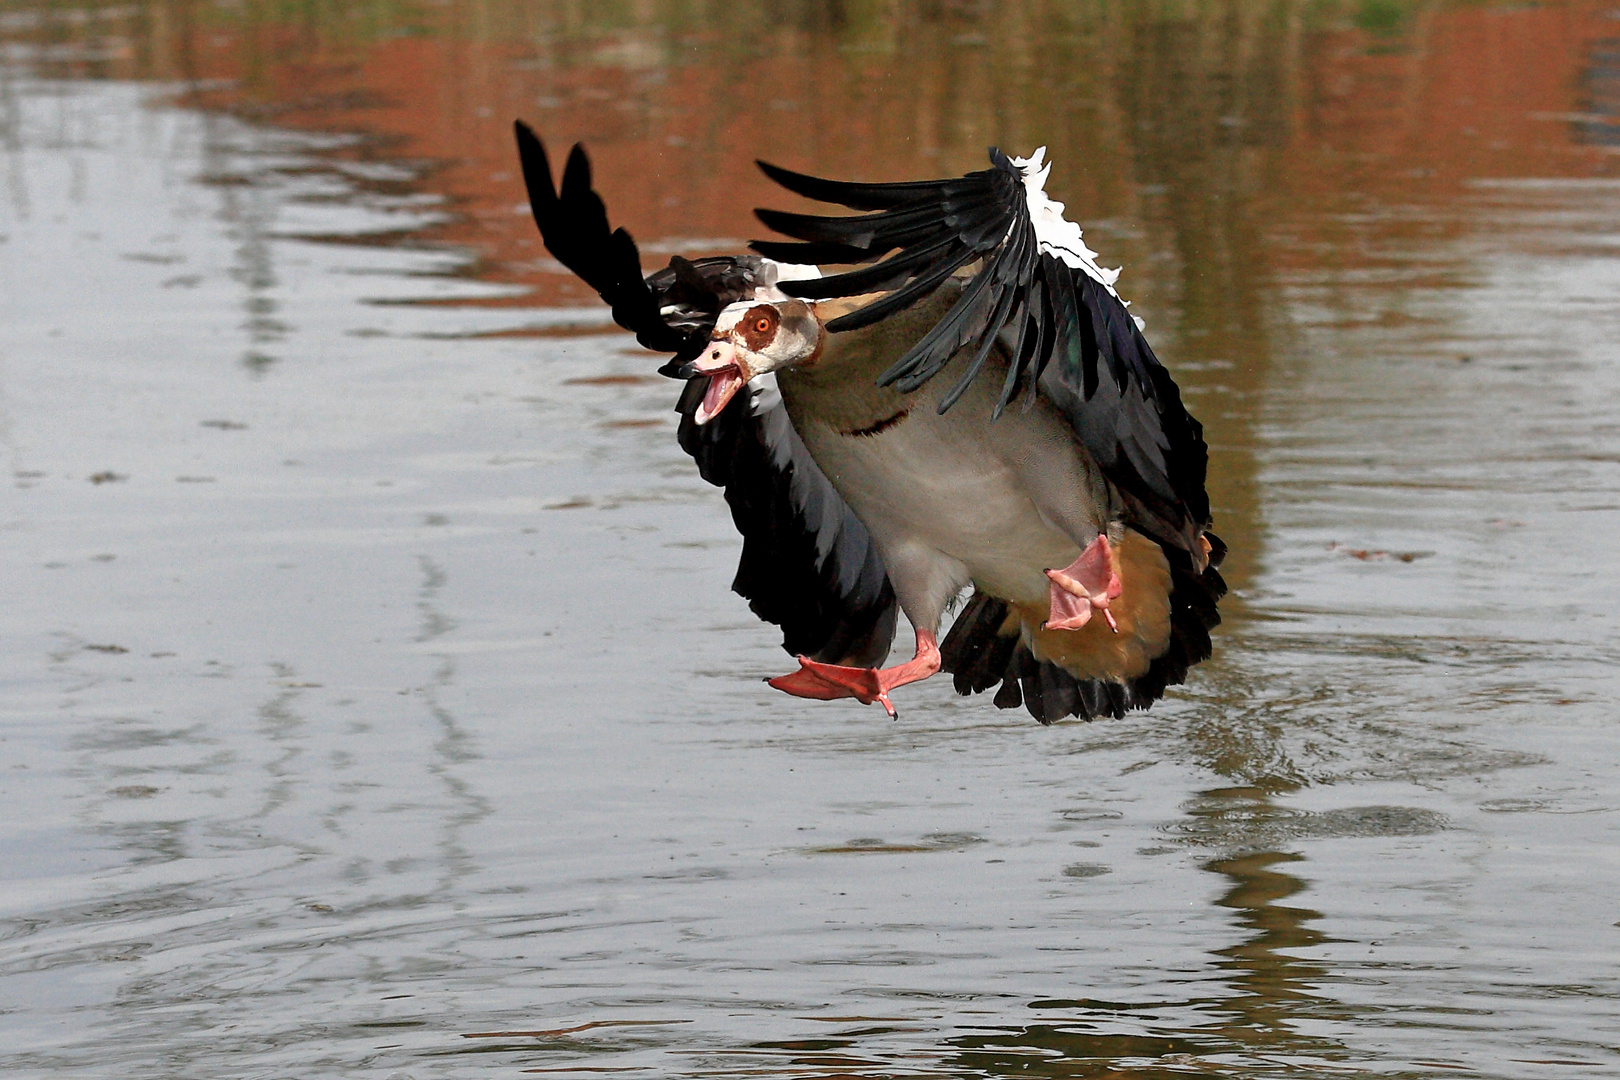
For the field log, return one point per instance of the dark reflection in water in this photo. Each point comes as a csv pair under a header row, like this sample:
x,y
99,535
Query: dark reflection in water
x,y
1294,188
1206,102
1253,1027
1275,989
1256,1021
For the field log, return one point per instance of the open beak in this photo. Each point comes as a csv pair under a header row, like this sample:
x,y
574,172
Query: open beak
x,y
726,372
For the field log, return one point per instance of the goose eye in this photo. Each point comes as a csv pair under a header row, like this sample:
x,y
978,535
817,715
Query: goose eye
x,y
758,327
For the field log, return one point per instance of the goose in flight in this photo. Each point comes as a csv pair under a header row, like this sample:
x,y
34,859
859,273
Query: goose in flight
x,y
970,405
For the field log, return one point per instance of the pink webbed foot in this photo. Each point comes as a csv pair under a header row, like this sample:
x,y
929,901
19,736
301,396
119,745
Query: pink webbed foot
x,y
1088,583
828,682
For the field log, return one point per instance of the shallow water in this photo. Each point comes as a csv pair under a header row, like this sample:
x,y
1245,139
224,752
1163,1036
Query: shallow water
x,y
375,703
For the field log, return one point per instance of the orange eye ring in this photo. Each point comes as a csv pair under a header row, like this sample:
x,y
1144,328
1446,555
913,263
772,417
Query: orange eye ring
x,y
762,325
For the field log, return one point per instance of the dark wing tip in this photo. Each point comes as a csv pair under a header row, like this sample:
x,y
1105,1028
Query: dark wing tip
x,y
1003,162
784,177
811,187
777,172
536,167
577,171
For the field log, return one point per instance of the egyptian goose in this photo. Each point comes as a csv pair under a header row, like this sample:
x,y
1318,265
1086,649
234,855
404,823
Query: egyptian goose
x,y
856,422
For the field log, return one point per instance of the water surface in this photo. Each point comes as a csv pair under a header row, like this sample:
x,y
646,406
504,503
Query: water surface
x,y
375,702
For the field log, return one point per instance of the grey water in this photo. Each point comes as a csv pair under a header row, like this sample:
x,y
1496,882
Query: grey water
x,y
374,702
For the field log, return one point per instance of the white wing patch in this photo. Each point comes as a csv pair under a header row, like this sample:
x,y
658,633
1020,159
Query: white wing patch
x,y
1056,234
780,271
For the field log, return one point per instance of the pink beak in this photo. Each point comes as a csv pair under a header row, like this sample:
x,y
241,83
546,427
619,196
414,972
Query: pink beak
x,y
726,372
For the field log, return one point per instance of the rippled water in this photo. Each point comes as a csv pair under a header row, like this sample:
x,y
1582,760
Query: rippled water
x,y
374,700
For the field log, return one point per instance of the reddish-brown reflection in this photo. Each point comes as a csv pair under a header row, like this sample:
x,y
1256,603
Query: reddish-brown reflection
x,y
1213,149
676,101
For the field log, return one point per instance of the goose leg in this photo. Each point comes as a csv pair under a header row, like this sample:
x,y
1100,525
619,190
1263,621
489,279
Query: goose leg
x,y
828,682
1089,582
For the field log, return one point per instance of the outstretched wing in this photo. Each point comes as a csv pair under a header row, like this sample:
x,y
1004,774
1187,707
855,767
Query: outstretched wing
x,y
808,564
671,311
1039,288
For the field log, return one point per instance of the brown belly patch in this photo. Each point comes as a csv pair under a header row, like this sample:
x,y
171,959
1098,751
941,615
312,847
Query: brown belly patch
x,y
1142,611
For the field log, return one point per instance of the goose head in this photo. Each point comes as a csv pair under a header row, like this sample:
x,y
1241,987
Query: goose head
x,y
751,338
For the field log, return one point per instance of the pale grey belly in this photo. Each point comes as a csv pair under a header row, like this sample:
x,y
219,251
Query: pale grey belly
x,y
928,484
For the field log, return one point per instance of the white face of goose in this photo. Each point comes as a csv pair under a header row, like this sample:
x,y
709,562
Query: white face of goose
x,y
751,338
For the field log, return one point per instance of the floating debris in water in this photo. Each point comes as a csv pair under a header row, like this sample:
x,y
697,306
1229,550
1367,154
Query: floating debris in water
x,y
611,380
1378,554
